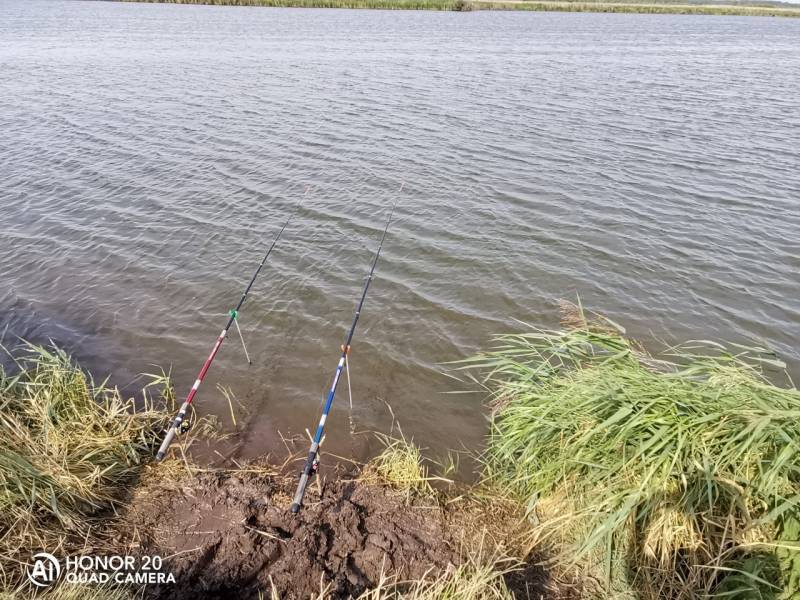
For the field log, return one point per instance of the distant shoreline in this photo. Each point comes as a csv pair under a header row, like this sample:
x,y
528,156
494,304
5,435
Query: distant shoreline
x,y
631,6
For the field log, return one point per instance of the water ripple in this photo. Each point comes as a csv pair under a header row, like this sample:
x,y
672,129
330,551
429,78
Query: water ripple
x,y
647,163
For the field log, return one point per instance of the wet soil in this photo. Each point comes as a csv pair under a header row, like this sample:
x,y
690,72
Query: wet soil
x,y
230,534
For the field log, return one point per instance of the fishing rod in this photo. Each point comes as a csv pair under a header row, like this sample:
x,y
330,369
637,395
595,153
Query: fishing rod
x,y
312,462
175,428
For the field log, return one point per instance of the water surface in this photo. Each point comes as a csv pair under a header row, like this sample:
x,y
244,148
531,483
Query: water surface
x,y
647,163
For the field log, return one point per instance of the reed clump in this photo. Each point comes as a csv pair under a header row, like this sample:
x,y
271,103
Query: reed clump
x,y
641,7
69,447
448,5
627,6
399,466
674,478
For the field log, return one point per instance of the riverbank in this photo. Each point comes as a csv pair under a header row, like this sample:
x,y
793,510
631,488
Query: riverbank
x,y
229,532
643,7
76,480
356,537
651,477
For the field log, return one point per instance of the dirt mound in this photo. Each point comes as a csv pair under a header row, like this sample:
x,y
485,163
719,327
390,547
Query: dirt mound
x,y
231,535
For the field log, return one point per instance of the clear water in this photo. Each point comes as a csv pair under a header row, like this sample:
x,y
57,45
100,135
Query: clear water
x,y
646,163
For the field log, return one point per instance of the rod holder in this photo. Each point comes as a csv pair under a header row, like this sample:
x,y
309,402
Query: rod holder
x,y
241,337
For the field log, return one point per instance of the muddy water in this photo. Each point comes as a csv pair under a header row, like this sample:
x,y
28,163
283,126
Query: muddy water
x,y
645,163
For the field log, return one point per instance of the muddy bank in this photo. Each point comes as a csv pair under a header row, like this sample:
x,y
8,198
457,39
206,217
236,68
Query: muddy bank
x,y
227,534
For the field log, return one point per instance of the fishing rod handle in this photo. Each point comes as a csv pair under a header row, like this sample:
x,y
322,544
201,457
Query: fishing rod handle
x,y
173,430
301,486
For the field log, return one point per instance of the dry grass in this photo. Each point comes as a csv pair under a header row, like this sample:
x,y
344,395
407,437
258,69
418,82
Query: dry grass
x,y
401,467
475,579
492,532
71,592
478,578
70,447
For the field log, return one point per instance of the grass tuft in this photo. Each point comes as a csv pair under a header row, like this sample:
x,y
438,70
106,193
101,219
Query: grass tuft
x,y
400,466
68,446
476,579
71,592
676,477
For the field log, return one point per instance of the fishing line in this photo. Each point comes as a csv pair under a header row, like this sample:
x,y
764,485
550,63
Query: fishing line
x,y
177,425
351,421
312,462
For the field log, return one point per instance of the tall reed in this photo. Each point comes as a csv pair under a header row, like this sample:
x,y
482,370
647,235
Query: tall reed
x,y
679,477
694,7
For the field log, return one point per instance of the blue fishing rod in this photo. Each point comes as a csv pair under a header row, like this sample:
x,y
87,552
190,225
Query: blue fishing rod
x,y
312,462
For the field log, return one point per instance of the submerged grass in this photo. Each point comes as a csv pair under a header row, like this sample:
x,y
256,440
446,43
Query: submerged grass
x,y
68,449
629,6
679,478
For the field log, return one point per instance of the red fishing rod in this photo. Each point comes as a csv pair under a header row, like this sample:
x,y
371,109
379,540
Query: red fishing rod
x,y
175,428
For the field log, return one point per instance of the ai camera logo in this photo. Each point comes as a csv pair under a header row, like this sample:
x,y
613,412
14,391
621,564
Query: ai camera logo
x,y
45,569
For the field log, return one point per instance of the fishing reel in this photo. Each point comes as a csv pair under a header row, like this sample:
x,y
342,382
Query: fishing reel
x,y
182,428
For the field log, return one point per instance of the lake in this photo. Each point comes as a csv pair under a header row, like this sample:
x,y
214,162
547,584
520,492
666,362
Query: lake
x,y
647,164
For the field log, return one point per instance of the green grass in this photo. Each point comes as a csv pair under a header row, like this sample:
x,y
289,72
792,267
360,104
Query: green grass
x,y
642,7
399,466
624,6
448,5
68,449
678,478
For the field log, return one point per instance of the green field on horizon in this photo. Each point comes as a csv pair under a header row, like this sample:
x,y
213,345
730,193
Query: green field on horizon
x,y
767,9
